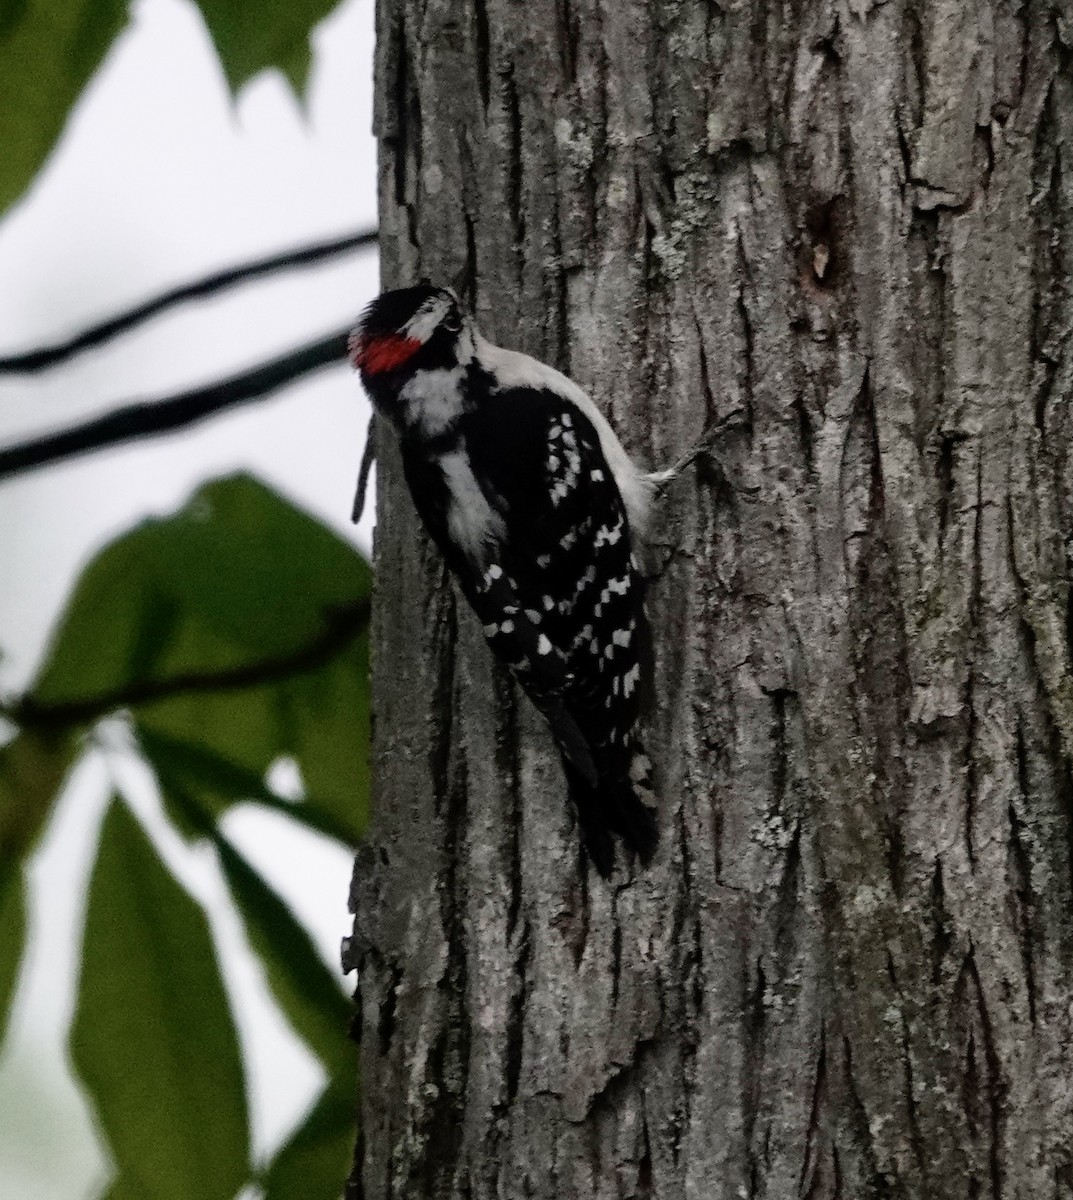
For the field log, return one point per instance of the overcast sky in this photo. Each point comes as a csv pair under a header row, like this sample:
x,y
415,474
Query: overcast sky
x,y
159,178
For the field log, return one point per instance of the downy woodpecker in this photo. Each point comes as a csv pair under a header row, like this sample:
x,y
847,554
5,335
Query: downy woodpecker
x,y
533,502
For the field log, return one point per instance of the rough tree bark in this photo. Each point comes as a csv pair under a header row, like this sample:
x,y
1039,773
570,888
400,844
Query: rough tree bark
x,y
850,971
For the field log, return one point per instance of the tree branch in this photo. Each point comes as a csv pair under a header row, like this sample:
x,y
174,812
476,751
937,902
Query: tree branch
x,y
341,626
148,418
50,356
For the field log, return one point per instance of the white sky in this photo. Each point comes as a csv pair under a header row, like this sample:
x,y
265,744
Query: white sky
x,y
159,179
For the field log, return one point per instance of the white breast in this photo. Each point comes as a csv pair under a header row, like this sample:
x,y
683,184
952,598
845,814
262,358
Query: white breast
x,y
475,527
432,400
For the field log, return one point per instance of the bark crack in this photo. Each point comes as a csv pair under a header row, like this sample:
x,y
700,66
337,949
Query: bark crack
x,y
481,51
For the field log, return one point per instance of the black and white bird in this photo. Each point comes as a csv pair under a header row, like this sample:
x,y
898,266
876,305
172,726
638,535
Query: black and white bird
x,y
534,504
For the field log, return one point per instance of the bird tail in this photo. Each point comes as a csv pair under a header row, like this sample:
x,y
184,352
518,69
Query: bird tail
x,y
608,808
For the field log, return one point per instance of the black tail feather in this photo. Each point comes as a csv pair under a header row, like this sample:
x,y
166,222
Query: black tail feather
x,y
612,807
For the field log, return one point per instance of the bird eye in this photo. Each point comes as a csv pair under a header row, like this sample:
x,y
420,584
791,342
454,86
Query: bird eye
x,y
453,321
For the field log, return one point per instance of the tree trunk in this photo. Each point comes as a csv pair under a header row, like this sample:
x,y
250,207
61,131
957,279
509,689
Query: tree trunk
x,y
848,973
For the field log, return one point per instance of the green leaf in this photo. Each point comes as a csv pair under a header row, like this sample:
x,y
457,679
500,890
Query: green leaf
x,y
12,933
119,1189
314,1161
32,770
303,986
236,625
251,35
153,1039
237,576
33,767
190,775
332,717
320,718
49,50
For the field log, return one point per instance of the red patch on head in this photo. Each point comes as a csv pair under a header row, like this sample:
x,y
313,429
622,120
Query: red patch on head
x,y
373,355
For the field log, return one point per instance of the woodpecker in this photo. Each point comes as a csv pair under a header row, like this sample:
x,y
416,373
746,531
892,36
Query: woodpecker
x,y
534,505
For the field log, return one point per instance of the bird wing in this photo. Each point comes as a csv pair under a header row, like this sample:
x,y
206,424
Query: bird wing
x,y
567,563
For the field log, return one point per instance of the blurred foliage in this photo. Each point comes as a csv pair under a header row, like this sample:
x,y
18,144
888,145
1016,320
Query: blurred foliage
x,y
50,49
242,592
12,932
153,1039
251,35
227,635
306,1164
32,768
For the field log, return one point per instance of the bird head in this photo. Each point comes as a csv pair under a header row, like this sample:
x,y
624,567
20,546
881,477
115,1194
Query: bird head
x,y
405,330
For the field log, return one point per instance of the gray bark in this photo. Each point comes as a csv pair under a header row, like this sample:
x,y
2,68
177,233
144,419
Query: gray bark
x,y
848,973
